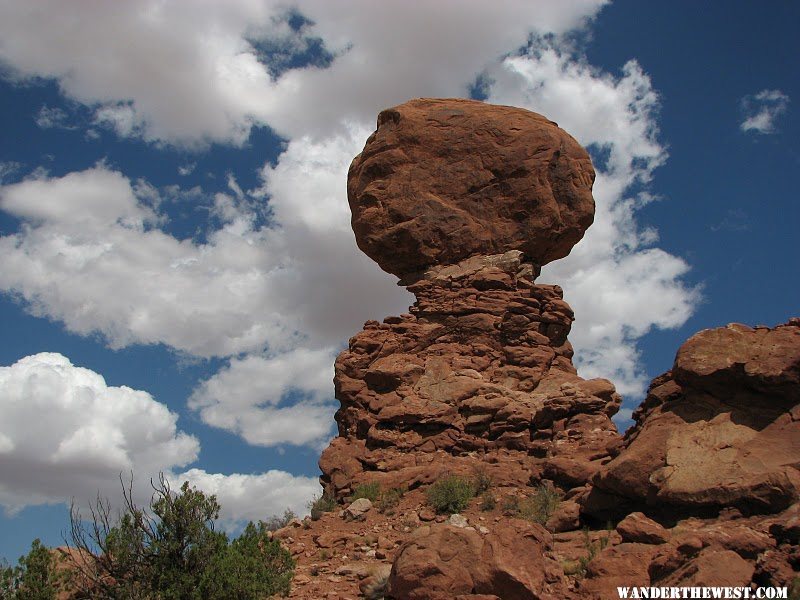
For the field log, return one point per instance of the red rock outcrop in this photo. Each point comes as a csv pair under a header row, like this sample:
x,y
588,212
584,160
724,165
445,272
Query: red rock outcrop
x,y
478,379
442,562
445,179
721,429
478,376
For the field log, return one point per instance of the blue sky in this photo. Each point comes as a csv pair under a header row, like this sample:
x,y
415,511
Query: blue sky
x,y
178,270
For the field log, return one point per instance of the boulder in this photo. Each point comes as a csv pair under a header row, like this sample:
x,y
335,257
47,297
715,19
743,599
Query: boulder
x,y
358,508
440,562
713,567
638,528
441,180
721,430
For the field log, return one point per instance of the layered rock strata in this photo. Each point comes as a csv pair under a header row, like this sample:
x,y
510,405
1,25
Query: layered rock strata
x,y
465,201
478,376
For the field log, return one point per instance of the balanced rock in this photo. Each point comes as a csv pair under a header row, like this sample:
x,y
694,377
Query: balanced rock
x,y
466,201
721,429
445,179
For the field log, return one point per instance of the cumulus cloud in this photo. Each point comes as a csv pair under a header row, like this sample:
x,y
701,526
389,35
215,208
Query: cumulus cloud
x,y
260,292
67,434
618,283
253,497
189,72
245,398
91,257
762,110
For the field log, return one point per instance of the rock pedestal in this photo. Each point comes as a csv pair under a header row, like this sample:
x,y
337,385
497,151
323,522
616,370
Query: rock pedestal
x,y
478,376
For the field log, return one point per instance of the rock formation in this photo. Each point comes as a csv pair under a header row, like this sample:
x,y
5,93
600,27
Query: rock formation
x,y
464,202
720,430
479,375
443,180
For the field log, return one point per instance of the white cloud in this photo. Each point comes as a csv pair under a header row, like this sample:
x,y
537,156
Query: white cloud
x,y
619,285
190,71
52,117
253,497
7,169
187,169
66,433
246,398
90,258
190,76
762,110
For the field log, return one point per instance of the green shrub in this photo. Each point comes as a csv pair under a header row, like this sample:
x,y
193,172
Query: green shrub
x,y
488,501
450,494
481,480
275,522
510,506
371,491
389,499
251,567
34,577
171,551
321,505
539,506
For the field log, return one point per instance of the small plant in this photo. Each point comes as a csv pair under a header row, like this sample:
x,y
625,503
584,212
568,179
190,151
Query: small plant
x,y
488,501
794,589
371,491
450,494
320,505
481,480
390,499
510,506
540,506
324,554
573,568
275,522
579,567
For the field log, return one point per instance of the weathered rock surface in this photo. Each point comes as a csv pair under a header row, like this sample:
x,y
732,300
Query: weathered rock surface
x,y
477,379
639,529
478,376
721,429
445,179
441,561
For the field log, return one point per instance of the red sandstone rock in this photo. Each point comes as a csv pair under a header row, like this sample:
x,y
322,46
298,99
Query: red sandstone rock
x,y
442,562
712,567
638,528
470,379
443,180
722,429
478,380
620,565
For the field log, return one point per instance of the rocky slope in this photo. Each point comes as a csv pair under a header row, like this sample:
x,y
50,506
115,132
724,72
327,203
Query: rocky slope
x,y
465,201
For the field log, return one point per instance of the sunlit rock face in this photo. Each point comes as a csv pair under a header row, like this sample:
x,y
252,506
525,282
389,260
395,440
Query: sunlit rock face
x,y
465,201
442,180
